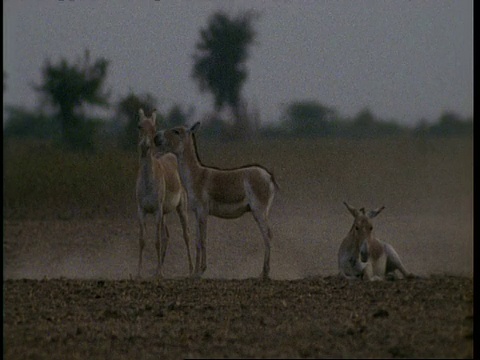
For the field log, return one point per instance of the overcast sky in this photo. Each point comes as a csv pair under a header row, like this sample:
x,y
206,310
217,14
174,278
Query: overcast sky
x,y
404,60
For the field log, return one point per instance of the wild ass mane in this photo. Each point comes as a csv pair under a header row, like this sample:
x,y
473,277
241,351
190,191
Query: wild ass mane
x,y
194,138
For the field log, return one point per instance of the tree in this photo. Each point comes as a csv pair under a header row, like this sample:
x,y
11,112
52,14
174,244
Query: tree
x,y
127,114
219,60
67,87
366,125
451,124
176,116
309,118
25,124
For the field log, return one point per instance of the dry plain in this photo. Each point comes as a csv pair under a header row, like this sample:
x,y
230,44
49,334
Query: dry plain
x,y
71,246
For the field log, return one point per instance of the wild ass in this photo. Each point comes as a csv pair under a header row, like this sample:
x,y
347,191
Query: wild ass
x,y
159,191
225,194
362,255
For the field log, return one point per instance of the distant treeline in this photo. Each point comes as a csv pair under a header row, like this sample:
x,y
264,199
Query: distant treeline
x,y
311,119
301,119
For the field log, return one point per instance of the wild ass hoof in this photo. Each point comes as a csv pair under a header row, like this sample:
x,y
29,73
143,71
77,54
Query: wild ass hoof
x,y
391,277
412,276
196,275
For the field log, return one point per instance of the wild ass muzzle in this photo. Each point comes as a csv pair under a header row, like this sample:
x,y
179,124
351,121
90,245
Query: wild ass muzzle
x,y
362,255
225,194
159,191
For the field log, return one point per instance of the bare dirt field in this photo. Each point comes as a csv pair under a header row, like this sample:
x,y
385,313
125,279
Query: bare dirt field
x,y
68,264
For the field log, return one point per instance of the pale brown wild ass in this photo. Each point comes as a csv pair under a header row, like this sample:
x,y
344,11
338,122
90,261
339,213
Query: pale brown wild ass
x,y
362,255
225,194
159,191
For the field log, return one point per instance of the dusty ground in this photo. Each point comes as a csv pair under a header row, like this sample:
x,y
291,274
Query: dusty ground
x,y
172,319
68,287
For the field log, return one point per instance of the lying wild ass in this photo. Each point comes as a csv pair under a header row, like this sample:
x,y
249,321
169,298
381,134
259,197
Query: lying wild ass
x,y
362,255
225,194
159,191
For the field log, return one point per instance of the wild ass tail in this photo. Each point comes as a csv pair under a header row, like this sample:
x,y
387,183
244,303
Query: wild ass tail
x,y
277,187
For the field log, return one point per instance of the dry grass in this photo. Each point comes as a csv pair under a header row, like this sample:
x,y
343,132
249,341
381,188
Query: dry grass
x,y
43,182
399,171
426,186
426,175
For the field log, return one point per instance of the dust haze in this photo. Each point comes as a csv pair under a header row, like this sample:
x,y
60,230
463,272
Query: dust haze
x,y
426,188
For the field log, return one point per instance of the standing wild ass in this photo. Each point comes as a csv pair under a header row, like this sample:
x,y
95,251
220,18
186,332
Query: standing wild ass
x,y
362,255
159,191
225,194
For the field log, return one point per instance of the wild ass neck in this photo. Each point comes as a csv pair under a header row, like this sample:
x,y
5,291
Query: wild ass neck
x,y
146,164
189,166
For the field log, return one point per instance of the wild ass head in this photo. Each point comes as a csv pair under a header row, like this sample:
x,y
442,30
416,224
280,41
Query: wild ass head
x,y
362,229
147,129
174,139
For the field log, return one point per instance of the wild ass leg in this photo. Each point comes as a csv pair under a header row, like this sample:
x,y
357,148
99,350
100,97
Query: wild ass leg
x,y
369,272
201,257
198,247
141,222
182,214
203,238
165,236
394,262
262,222
158,229
379,268
198,252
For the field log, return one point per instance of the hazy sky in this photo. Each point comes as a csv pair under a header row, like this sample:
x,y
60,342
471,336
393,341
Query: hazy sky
x,y
402,59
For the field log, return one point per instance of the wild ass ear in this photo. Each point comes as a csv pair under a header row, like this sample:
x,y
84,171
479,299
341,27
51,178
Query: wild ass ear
x,y
194,127
372,213
154,117
352,210
141,114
